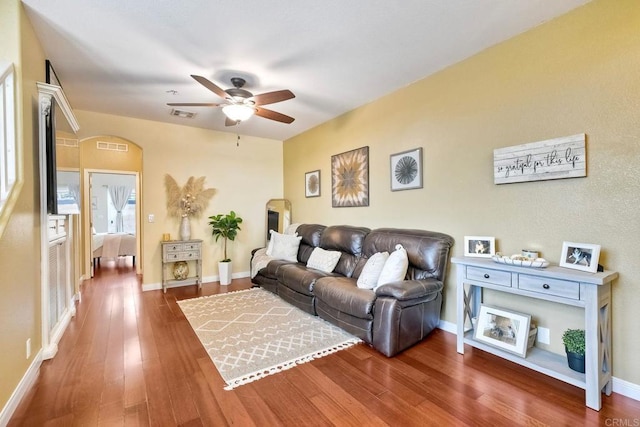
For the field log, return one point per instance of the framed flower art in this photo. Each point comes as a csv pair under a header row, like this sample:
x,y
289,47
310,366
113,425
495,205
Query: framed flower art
x,y
406,170
312,184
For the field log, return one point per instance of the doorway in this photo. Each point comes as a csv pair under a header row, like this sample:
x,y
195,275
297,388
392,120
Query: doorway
x,y
114,217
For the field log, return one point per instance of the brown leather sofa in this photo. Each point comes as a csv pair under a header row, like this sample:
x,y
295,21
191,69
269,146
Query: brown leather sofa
x,y
393,317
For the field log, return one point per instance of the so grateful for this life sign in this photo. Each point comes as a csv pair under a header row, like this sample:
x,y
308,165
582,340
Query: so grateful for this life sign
x,y
551,159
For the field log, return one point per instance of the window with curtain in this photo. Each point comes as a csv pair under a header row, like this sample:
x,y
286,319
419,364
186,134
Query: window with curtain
x,y
128,213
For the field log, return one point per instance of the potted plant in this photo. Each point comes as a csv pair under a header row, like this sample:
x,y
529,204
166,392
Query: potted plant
x,y
227,227
574,345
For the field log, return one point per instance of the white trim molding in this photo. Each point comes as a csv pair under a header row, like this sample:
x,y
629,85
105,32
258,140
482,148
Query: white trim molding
x,y
208,279
22,389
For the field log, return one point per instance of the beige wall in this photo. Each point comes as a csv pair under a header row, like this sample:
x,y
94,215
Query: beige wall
x,y
575,74
20,242
244,176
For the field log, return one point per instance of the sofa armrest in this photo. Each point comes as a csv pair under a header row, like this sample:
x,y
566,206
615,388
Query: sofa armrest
x,y
409,289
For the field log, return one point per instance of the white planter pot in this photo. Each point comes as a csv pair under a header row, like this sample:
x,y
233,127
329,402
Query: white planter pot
x,y
224,268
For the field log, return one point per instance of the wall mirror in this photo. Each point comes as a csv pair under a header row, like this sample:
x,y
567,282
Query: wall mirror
x,y
278,216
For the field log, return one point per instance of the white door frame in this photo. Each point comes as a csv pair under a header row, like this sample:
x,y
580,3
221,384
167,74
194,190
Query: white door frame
x,y
88,223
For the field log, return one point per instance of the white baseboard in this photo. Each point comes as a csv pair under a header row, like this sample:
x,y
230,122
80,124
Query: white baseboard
x,y
448,326
619,386
21,390
626,388
207,279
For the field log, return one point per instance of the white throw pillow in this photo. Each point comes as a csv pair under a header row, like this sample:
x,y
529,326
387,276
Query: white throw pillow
x,y
368,279
284,246
324,260
395,268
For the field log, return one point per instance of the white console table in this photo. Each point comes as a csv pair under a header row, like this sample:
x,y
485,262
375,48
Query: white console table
x,y
182,250
590,291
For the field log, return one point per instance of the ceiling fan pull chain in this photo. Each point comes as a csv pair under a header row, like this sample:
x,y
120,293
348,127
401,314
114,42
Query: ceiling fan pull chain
x,y
238,141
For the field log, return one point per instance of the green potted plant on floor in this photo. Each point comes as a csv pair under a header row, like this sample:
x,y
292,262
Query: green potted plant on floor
x,y
225,227
574,345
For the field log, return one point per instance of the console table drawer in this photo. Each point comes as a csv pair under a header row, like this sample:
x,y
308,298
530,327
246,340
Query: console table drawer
x,y
191,246
559,288
496,277
185,256
173,247
182,256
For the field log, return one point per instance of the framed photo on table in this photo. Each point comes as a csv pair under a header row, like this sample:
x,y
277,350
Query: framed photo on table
x,y
406,170
312,184
503,329
479,246
580,256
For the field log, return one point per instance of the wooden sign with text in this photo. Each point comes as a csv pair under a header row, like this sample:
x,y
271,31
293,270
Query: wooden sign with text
x,y
537,161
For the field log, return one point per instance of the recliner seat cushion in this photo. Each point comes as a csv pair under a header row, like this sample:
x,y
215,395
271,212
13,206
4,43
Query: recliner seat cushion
x,y
344,295
299,278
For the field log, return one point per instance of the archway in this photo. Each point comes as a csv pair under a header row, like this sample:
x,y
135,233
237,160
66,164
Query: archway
x,y
110,155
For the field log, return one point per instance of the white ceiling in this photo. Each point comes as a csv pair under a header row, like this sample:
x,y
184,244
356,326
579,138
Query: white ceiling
x,y
123,56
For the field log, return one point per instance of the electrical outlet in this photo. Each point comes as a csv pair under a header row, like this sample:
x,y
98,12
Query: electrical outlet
x,y
152,217
28,348
543,335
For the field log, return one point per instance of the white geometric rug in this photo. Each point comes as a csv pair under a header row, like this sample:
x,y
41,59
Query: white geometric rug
x,y
253,333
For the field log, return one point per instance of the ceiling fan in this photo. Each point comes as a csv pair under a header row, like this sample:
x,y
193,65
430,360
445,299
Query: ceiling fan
x,y
240,103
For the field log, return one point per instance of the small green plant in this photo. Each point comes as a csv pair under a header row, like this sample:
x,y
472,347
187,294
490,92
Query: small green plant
x,y
573,340
225,226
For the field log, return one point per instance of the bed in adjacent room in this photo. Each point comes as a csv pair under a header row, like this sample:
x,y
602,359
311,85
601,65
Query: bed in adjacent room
x,y
112,246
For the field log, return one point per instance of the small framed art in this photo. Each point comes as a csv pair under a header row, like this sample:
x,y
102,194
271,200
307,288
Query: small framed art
x,y
503,329
479,246
312,184
406,170
580,256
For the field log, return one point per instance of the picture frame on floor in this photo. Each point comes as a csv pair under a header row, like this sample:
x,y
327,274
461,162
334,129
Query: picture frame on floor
x,y
503,329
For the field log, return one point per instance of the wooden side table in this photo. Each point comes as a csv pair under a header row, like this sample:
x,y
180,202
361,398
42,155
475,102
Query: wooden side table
x,y
181,250
589,291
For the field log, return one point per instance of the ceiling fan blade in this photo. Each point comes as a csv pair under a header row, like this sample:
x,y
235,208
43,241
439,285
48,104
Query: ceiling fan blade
x,y
273,97
229,122
273,115
211,86
192,104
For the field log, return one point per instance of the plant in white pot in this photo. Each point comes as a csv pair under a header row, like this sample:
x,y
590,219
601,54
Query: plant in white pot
x,y
225,227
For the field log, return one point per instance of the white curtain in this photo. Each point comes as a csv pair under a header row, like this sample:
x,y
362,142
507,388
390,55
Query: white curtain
x,y
119,196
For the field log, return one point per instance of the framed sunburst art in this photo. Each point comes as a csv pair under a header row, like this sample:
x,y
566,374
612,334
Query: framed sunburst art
x,y
406,170
312,184
350,178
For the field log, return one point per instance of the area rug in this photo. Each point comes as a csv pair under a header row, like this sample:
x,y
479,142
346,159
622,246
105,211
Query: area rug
x,y
253,333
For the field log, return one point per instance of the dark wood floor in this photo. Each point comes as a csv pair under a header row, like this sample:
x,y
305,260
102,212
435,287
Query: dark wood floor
x,y
131,358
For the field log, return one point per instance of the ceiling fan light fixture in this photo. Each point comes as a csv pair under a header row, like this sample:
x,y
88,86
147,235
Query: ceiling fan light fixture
x,y
238,112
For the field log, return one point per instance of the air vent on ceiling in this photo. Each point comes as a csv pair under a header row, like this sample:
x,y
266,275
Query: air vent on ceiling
x,y
67,142
182,113
111,146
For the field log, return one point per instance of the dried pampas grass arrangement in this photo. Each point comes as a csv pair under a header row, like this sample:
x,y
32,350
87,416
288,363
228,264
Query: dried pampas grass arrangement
x,y
189,200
